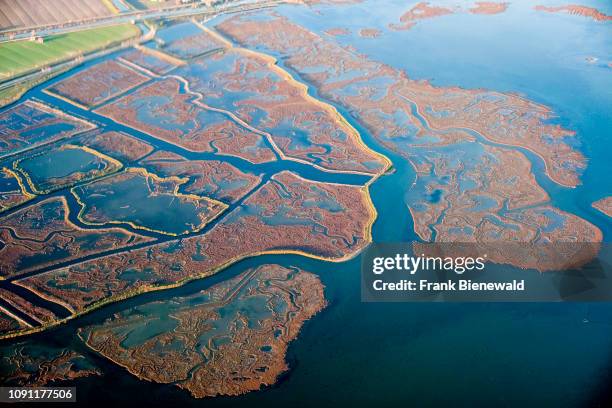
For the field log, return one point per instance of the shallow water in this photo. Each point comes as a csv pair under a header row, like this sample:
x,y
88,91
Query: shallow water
x,y
427,354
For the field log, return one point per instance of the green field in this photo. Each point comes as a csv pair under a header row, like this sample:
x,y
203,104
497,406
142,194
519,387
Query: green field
x,y
22,56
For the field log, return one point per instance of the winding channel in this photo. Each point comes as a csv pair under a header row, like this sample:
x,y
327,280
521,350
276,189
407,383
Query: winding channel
x,y
388,192
264,170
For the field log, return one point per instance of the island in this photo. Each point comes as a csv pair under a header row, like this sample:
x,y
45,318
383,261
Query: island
x,y
369,33
489,7
420,11
228,339
578,10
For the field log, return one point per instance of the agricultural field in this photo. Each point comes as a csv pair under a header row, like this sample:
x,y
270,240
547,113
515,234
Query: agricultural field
x,y
20,57
31,13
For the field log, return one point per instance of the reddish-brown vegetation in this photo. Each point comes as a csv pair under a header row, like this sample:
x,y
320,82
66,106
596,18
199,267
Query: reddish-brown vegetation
x,y
577,10
243,351
419,12
38,313
337,31
177,120
33,365
117,145
288,214
211,178
41,235
30,124
9,323
98,84
604,205
489,7
369,33
269,99
474,191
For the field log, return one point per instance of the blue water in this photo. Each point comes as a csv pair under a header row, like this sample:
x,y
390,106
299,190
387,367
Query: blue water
x,y
366,354
8,183
59,163
542,56
178,31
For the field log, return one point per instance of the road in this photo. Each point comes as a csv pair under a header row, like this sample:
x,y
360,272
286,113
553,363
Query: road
x,y
182,11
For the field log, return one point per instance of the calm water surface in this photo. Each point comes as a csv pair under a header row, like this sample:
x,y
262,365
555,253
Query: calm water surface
x,y
427,354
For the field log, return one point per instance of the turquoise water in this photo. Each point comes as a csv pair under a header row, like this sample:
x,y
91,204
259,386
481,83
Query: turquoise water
x,y
366,354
